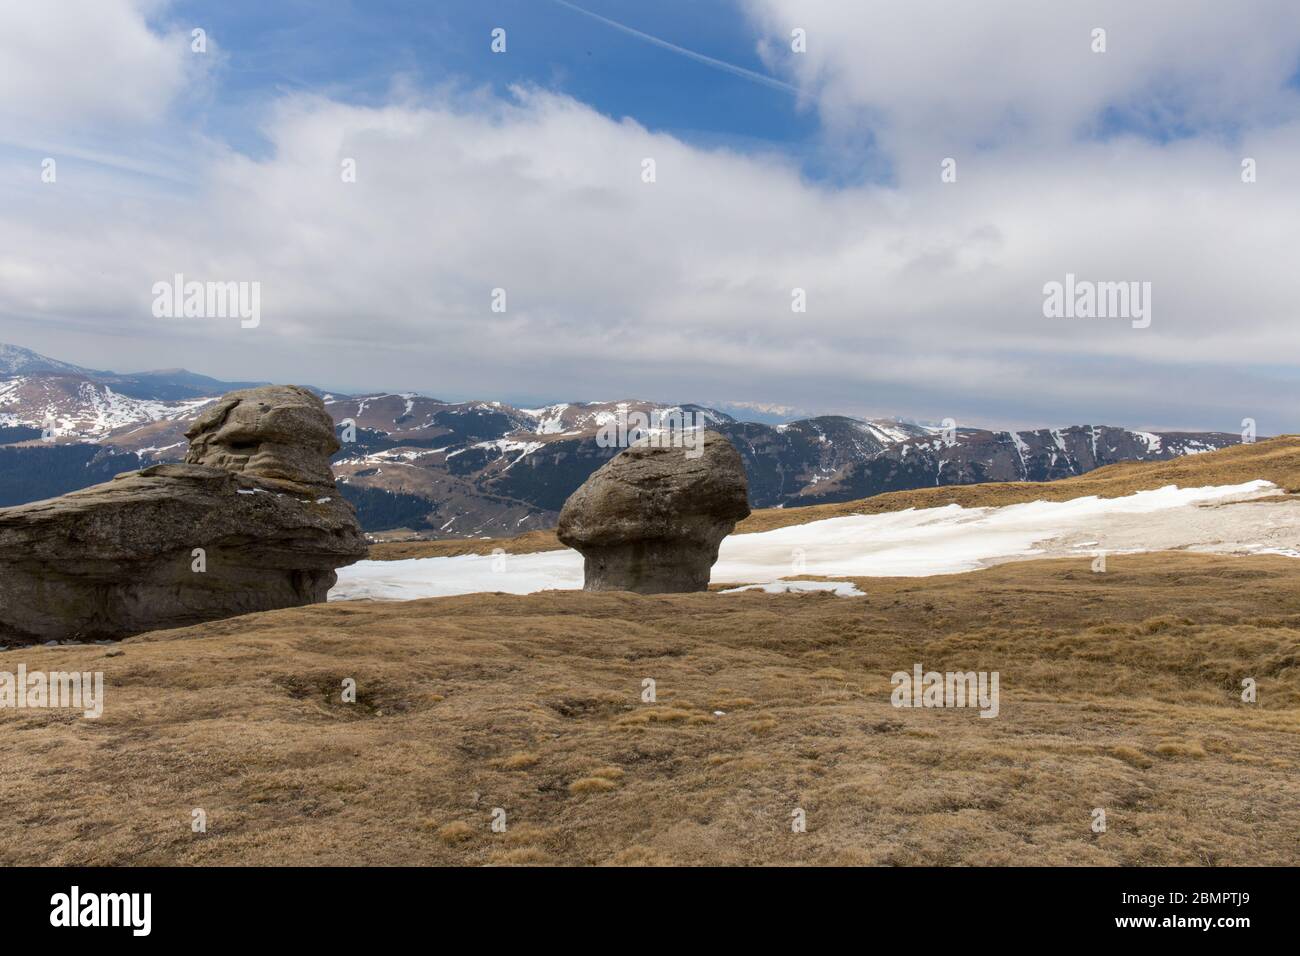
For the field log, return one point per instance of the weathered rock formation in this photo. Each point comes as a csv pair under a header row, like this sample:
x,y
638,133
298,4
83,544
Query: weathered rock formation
x,y
249,522
651,519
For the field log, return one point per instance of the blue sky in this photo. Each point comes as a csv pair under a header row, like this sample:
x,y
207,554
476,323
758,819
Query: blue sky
x,y
525,172
355,50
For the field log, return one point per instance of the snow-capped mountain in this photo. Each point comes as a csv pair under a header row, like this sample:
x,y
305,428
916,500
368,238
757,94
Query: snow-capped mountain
x,y
16,360
70,403
491,469
69,406
454,469
974,455
64,427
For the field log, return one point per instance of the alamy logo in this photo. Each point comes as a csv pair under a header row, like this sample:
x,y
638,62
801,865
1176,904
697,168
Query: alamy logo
x,y
103,909
83,691
1083,299
951,689
670,428
208,300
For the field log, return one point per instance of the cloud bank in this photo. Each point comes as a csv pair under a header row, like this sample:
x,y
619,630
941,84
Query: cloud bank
x,y
924,298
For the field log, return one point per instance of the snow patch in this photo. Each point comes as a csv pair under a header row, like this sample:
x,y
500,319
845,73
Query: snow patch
x,y
923,542
838,588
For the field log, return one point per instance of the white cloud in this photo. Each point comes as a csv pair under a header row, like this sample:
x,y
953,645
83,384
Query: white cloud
x,y
933,74
74,62
924,299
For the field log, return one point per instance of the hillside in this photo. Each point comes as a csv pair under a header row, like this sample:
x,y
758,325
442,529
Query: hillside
x,y
1276,460
492,471
1118,691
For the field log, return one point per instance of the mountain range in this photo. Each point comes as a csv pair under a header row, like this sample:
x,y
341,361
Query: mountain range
x,y
415,464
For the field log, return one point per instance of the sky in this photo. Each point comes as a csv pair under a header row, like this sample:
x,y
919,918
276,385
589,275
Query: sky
x,y
914,175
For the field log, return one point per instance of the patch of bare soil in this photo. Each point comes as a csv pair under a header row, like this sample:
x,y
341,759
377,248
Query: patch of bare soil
x,y
1118,691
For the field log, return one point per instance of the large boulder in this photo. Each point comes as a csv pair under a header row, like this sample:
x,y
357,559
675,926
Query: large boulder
x,y
251,521
277,432
651,518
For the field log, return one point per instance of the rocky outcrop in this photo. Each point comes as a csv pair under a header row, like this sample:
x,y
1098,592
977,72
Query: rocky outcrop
x,y
251,521
651,519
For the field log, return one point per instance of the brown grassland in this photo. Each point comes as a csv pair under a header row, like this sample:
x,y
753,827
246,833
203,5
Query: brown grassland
x,y
528,543
1119,691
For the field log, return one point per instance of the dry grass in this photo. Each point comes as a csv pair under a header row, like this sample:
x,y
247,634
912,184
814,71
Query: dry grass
x,y
1276,460
1118,690
528,543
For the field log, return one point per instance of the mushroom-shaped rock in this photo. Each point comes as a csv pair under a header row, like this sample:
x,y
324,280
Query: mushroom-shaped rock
x,y
650,519
251,521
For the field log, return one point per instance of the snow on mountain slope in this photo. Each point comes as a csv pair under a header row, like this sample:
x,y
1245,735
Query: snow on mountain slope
x,y
70,407
581,418
16,360
975,455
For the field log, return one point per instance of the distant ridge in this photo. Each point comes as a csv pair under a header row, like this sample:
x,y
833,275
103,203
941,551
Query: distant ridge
x,y
165,384
16,360
420,466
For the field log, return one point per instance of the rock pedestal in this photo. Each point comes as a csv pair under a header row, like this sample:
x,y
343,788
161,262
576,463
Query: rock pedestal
x,y
651,519
251,521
